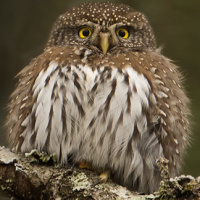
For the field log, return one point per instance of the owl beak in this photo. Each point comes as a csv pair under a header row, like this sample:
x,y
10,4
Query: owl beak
x,y
104,42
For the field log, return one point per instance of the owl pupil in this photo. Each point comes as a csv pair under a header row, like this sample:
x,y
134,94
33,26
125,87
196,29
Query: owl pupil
x,y
122,33
85,32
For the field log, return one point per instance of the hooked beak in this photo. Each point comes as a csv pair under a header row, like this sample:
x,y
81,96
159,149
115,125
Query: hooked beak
x,y
104,42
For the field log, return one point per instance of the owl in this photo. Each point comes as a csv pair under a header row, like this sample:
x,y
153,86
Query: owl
x,y
101,92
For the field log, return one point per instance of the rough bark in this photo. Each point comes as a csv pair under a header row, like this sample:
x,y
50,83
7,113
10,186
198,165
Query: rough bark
x,y
35,176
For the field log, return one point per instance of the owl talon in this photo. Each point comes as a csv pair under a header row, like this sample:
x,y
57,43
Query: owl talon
x,y
84,165
102,178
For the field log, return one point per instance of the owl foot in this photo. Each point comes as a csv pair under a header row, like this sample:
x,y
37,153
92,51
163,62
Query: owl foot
x,y
103,177
84,165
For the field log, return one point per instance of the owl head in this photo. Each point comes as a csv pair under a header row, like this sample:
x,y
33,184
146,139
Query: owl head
x,y
103,27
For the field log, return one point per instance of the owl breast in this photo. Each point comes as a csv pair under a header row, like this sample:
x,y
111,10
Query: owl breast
x,y
98,114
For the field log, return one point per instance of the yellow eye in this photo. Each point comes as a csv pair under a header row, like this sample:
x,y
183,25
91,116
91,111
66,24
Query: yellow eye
x,y
84,32
123,32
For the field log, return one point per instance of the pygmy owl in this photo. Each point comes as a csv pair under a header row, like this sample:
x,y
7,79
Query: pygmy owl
x,y
102,92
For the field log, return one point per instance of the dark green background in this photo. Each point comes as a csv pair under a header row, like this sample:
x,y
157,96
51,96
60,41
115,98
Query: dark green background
x,y
25,26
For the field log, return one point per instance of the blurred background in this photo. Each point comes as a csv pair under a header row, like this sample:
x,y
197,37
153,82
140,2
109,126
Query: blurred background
x,y
25,27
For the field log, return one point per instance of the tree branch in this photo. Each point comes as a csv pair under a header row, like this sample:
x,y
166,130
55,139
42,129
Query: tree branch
x,y
35,177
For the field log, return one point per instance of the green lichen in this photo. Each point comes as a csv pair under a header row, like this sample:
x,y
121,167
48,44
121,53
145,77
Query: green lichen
x,y
3,188
7,186
79,182
41,157
177,187
9,181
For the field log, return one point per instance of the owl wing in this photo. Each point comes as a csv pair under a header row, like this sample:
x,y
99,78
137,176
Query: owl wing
x,y
36,119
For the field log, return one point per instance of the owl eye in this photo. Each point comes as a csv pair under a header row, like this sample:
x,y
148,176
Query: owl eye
x,y
123,32
84,32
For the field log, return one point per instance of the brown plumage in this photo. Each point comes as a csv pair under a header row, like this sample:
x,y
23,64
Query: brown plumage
x,y
102,92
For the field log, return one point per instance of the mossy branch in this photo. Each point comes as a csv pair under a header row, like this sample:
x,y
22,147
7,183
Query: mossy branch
x,y
35,176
